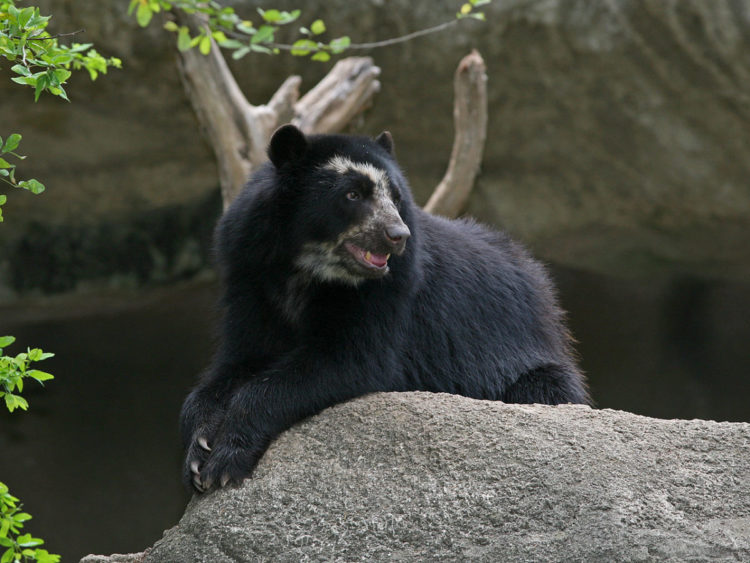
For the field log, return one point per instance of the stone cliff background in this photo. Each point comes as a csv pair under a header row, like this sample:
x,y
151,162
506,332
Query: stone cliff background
x,y
617,143
618,150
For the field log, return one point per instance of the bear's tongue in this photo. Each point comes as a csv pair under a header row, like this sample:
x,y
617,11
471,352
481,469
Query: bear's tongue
x,y
378,260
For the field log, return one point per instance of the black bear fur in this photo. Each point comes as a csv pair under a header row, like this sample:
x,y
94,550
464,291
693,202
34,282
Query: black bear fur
x,y
458,308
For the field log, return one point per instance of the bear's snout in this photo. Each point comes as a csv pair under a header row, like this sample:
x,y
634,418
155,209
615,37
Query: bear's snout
x,y
396,235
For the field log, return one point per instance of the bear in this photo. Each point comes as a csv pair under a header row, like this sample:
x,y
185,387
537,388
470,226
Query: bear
x,y
336,284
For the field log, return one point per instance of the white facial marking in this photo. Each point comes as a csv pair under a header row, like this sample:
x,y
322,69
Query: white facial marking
x,y
342,165
383,209
321,261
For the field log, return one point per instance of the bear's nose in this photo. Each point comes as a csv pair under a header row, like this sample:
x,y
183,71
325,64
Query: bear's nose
x,y
396,235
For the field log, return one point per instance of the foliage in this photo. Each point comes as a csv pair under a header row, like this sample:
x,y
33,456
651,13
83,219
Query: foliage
x,y
231,32
13,370
18,547
40,61
8,170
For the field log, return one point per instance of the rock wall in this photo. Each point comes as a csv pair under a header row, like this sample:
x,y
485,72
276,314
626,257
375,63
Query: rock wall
x,y
618,135
435,477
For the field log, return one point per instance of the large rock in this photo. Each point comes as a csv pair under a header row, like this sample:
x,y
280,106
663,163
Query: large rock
x,y
618,136
434,477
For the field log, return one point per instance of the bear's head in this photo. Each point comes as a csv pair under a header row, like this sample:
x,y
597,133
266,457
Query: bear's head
x,y
348,203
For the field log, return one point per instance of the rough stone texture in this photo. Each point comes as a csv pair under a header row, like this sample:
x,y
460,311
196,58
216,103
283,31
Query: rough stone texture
x,y
618,136
434,477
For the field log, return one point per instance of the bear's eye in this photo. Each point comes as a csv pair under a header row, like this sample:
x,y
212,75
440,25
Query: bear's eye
x,y
353,196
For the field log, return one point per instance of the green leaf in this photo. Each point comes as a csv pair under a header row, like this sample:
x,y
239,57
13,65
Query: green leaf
x,y
15,401
144,15
183,39
239,53
271,16
303,47
263,35
246,27
6,341
219,36
35,354
318,27
28,80
8,555
340,44
22,517
321,56
41,83
12,142
231,44
289,17
205,45
170,26
60,91
27,541
5,164
62,74
34,186
24,16
43,556
20,69
40,376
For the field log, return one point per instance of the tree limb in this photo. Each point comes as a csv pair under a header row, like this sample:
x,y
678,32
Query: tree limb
x,y
470,120
344,92
239,132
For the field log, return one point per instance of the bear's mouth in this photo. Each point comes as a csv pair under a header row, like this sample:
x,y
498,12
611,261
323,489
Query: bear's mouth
x,y
368,259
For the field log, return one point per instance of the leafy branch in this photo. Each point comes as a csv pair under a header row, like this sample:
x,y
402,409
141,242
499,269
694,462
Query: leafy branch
x,y
13,371
40,61
18,547
8,170
233,33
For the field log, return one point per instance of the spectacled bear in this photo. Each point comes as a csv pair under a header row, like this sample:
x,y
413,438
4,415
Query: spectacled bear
x,y
335,284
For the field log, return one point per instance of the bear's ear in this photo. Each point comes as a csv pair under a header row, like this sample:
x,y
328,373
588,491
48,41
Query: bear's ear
x,y
385,140
287,145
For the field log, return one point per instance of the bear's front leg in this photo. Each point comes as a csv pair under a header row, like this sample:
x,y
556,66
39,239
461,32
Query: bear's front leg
x,y
272,401
201,418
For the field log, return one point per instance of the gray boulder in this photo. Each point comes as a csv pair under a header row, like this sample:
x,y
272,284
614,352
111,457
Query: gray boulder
x,y
434,477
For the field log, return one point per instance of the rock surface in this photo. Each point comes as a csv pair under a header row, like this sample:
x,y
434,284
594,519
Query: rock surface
x,y
618,136
434,477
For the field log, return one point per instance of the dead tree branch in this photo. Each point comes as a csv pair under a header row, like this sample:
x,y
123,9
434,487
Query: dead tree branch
x,y
239,131
470,120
